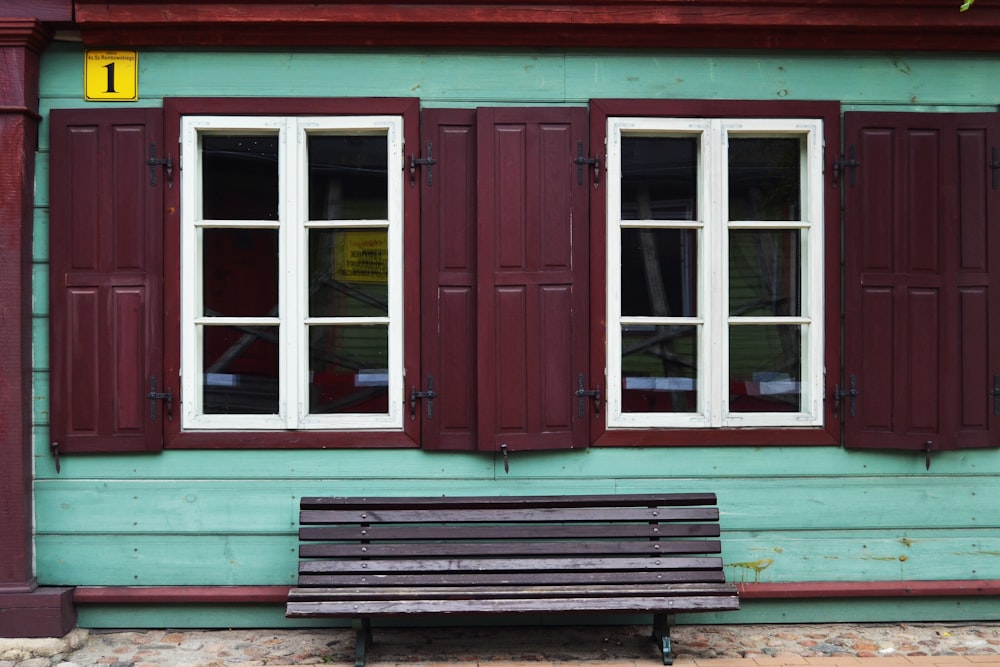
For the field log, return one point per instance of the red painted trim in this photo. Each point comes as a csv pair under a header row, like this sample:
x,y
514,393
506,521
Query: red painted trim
x,y
770,591
786,24
869,589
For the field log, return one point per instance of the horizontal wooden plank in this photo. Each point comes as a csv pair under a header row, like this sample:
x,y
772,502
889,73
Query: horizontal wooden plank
x,y
509,502
382,532
515,605
446,515
513,549
506,592
376,566
512,578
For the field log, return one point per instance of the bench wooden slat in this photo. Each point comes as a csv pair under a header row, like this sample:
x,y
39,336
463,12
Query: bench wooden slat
x,y
637,605
516,549
492,516
379,532
663,577
506,565
501,592
501,502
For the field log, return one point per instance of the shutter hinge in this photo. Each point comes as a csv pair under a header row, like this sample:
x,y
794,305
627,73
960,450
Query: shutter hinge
x,y
996,395
995,166
430,395
153,162
54,449
582,393
155,396
428,162
851,393
850,163
582,160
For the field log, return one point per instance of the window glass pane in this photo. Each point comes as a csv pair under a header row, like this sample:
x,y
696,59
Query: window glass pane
x,y
765,275
240,272
348,273
659,178
659,269
348,177
240,370
659,371
765,368
764,179
348,369
239,177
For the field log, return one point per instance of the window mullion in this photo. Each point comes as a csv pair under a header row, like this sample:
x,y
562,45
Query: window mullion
x,y
716,364
291,175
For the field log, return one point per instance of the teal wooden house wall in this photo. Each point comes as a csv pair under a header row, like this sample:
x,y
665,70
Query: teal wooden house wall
x,y
789,514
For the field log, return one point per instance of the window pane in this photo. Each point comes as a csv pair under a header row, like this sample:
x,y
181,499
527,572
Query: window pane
x,y
348,273
348,369
239,177
659,269
659,178
765,275
348,177
659,368
764,179
240,272
240,370
765,368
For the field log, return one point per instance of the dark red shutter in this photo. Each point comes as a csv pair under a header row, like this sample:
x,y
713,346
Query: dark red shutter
x,y
448,279
105,247
920,310
532,279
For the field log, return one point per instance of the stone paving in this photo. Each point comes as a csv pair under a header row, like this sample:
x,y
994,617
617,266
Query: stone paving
x,y
829,645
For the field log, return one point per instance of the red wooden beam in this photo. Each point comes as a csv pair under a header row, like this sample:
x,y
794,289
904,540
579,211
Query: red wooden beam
x,y
805,24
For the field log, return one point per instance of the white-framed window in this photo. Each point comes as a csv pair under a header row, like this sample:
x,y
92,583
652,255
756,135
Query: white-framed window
x,y
291,272
715,272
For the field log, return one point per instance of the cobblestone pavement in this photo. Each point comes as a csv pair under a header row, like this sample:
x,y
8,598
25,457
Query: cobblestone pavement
x,y
975,645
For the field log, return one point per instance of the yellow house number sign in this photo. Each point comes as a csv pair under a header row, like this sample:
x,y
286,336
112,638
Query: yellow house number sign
x,y
111,76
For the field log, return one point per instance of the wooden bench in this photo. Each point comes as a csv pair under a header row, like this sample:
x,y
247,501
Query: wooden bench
x,y
642,553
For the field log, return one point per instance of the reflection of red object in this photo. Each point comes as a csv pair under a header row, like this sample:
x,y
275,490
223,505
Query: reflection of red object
x,y
339,392
647,400
746,397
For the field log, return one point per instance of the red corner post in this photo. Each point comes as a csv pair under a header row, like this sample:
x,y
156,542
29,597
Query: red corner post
x,y
26,610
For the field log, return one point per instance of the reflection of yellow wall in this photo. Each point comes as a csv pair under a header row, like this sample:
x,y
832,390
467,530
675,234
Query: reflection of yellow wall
x,y
361,257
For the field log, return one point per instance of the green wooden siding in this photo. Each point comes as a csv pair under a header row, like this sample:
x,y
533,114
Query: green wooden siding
x,y
788,514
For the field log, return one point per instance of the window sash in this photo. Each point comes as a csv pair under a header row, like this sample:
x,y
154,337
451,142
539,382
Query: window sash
x,y
293,320
713,322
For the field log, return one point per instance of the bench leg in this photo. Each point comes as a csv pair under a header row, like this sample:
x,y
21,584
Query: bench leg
x,y
661,635
363,637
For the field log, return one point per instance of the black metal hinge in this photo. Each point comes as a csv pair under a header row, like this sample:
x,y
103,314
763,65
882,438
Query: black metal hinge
x,y
430,395
155,396
996,395
850,163
851,393
582,394
428,162
153,162
582,161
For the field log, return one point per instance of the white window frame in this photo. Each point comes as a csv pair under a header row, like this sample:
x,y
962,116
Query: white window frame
x,y
712,229
293,226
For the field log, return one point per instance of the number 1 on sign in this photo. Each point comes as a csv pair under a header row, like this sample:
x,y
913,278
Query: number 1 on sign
x,y
111,78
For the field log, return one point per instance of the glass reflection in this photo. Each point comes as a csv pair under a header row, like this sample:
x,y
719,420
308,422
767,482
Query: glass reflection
x,y
659,178
348,273
765,368
765,179
239,177
240,370
348,177
348,369
240,272
659,368
659,269
765,273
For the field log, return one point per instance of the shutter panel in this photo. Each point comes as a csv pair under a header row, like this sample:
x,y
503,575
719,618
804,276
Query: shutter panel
x,y
448,280
106,273
918,298
532,309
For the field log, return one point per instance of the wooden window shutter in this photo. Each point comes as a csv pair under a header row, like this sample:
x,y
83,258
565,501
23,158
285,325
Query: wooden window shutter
x,y
921,304
448,280
106,245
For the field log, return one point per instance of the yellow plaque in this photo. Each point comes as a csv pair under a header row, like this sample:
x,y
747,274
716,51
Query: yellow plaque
x,y
362,257
111,76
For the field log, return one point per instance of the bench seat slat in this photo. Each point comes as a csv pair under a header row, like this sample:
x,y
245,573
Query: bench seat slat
x,y
502,592
506,565
666,603
493,516
509,549
511,578
494,502
377,532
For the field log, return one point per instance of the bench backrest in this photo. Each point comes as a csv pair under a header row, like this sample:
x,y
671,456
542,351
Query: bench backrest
x,y
489,541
